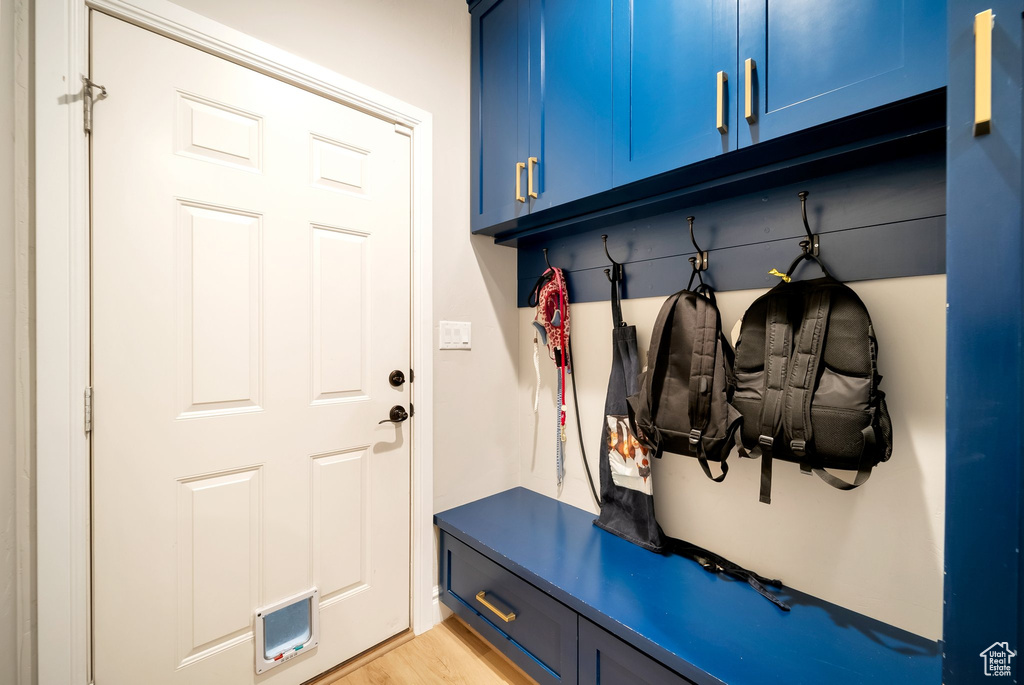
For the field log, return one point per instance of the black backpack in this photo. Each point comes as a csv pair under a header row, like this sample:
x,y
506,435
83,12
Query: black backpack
x,y
807,383
683,405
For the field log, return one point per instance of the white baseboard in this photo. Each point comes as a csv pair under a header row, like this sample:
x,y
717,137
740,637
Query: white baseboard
x,y
440,611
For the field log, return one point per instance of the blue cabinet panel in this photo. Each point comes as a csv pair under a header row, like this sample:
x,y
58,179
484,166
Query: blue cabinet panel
x,y
540,636
819,61
570,99
499,110
607,660
984,364
666,57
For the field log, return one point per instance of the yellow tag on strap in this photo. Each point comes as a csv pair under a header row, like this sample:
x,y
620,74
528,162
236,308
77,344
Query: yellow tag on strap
x,y
776,272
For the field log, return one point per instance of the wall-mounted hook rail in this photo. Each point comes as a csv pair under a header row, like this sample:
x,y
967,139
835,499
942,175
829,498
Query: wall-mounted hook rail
x,y
699,262
811,244
615,273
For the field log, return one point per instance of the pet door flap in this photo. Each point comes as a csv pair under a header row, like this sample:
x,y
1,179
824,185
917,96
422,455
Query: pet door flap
x,y
286,629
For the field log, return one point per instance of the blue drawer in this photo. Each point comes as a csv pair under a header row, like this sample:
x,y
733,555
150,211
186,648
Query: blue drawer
x,y
540,639
607,660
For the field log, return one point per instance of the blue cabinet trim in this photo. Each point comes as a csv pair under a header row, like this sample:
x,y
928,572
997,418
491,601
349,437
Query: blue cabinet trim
x,y
866,137
667,607
880,220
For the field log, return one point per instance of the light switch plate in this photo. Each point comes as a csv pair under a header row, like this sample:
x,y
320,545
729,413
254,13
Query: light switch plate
x,y
455,335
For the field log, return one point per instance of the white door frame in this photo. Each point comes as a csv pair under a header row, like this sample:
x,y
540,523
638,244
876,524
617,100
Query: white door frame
x,y
62,301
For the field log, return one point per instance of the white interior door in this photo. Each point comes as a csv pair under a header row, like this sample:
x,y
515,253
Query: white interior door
x,y
251,295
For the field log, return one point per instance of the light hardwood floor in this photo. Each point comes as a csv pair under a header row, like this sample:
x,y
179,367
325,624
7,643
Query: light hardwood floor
x,y
448,653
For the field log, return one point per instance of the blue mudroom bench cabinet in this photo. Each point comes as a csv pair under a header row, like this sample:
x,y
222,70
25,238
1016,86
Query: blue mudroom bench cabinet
x,y
572,99
571,603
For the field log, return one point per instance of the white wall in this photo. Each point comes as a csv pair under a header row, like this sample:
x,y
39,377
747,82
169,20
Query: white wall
x,y
418,51
877,550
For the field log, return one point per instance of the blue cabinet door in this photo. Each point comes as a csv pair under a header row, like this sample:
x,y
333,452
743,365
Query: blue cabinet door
x,y
499,127
984,330
607,660
570,99
815,62
666,57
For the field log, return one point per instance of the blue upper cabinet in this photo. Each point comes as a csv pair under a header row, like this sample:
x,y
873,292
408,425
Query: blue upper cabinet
x,y
814,62
570,100
499,111
541,106
674,84
573,99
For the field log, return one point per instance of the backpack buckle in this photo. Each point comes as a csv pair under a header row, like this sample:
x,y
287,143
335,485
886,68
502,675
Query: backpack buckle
x,y
695,437
766,441
798,447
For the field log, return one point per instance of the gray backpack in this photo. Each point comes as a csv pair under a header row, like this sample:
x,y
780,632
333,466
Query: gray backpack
x,y
683,405
807,383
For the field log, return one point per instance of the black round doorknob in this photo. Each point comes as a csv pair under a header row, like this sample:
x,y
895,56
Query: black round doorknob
x,y
397,415
397,378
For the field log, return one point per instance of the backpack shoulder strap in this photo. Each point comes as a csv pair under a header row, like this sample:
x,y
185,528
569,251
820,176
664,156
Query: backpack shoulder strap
x,y
702,376
641,413
777,343
803,369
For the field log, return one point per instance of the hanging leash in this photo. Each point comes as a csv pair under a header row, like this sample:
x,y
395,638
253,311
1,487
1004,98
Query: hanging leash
x,y
550,295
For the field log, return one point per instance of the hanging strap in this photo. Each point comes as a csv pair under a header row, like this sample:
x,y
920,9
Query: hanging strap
x,y
702,376
862,474
803,370
777,342
645,407
616,278
713,563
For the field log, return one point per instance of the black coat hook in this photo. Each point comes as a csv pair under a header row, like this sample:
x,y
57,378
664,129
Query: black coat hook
x,y
615,273
700,262
809,248
811,244
546,258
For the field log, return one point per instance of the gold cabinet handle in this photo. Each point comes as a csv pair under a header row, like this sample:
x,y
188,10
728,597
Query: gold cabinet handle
x,y
529,177
720,119
519,181
983,23
507,618
748,94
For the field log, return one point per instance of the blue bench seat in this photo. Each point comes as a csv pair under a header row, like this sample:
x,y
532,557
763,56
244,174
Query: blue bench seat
x,y
706,628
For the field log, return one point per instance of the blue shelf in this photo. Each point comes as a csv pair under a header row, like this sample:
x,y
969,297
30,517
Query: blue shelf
x,y
707,628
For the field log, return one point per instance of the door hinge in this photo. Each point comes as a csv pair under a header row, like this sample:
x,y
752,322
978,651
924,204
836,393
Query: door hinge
x,y
88,410
89,99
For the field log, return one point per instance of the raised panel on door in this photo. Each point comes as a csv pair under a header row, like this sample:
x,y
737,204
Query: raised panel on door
x,y
499,128
606,660
666,55
815,62
571,101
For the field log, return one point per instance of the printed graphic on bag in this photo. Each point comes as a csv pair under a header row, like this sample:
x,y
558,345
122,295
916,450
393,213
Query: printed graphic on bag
x,y
627,457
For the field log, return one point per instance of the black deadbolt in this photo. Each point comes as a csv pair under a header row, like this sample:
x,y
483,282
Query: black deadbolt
x,y
397,378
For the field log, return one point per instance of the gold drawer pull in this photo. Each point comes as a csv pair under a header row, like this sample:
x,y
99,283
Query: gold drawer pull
x,y
507,618
519,181
748,99
983,72
532,161
721,79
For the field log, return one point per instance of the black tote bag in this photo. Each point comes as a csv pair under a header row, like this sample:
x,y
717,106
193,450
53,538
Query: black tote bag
x,y
627,500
